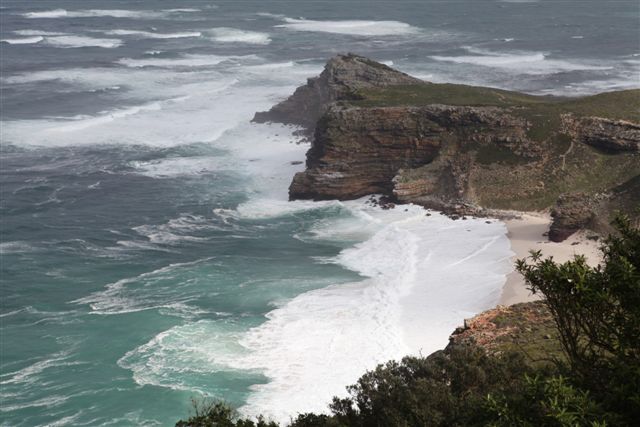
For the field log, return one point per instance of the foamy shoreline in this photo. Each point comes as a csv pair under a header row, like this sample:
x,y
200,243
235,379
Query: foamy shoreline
x,y
526,233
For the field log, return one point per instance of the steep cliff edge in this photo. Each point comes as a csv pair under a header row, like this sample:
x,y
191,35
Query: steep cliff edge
x,y
463,148
340,80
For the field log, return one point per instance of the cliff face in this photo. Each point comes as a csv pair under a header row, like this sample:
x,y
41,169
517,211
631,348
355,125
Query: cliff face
x,y
358,151
608,135
462,148
342,77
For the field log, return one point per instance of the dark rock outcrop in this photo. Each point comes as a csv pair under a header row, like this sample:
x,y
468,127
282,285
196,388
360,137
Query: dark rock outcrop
x,y
604,134
341,79
572,212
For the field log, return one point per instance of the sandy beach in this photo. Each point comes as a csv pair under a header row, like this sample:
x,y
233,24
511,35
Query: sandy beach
x,y
525,234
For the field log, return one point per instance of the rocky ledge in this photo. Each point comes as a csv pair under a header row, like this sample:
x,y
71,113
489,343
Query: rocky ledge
x,y
463,148
526,327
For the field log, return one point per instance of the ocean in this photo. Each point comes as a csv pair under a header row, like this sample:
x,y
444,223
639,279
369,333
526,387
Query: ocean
x,y
149,254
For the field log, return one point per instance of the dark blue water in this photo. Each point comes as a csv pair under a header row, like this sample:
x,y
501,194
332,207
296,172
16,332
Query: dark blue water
x,y
145,233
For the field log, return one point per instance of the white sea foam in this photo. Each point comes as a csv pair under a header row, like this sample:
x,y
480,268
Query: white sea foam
x,y
414,270
38,33
16,247
172,285
152,35
234,35
56,13
47,402
93,13
29,374
206,103
150,123
354,28
81,41
522,62
174,352
176,230
80,123
24,40
183,10
140,83
183,61
179,166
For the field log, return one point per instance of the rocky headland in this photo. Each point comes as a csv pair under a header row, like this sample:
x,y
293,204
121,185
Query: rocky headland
x,y
463,149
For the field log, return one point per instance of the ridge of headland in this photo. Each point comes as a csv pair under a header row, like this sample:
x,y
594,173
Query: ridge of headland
x,y
466,150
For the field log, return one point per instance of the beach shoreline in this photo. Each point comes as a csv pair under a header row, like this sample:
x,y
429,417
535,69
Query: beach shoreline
x,y
526,232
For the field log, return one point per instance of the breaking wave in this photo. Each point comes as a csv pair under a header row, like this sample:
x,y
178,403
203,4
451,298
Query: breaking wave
x,y
353,28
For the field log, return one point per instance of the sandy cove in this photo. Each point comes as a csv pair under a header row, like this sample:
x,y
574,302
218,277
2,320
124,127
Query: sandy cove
x,y
526,233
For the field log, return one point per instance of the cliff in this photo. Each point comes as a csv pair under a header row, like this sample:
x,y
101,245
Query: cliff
x,y
463,148
340,80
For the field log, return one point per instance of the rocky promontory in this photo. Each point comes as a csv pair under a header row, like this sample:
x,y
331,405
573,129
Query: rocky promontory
x,y
341,79
463,148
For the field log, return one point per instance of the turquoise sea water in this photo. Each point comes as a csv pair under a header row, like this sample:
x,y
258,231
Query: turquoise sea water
x,y
148,252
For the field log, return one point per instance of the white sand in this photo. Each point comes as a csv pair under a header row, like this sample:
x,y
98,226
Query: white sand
x,y
525,234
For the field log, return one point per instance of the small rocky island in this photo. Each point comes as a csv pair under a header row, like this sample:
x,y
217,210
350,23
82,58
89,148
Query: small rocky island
x,y
464,149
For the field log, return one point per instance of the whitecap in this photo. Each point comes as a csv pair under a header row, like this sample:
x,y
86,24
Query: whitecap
x,y
16,247
24,40
56,13
264,208
189,60
93,13
38,33
181,166
355,27
152,35
47,402
183,10
130,295
30,373
271,15
171,354
81,41
518,61
234,35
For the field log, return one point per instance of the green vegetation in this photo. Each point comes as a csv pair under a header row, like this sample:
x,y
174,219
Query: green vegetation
x,y
597,312
597,316
529,329
615,105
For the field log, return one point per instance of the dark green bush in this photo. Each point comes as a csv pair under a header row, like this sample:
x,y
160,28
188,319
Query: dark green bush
x,y
597,312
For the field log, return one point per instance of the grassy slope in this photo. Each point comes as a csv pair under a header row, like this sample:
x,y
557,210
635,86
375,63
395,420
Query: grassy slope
x,y
617,105
526,327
